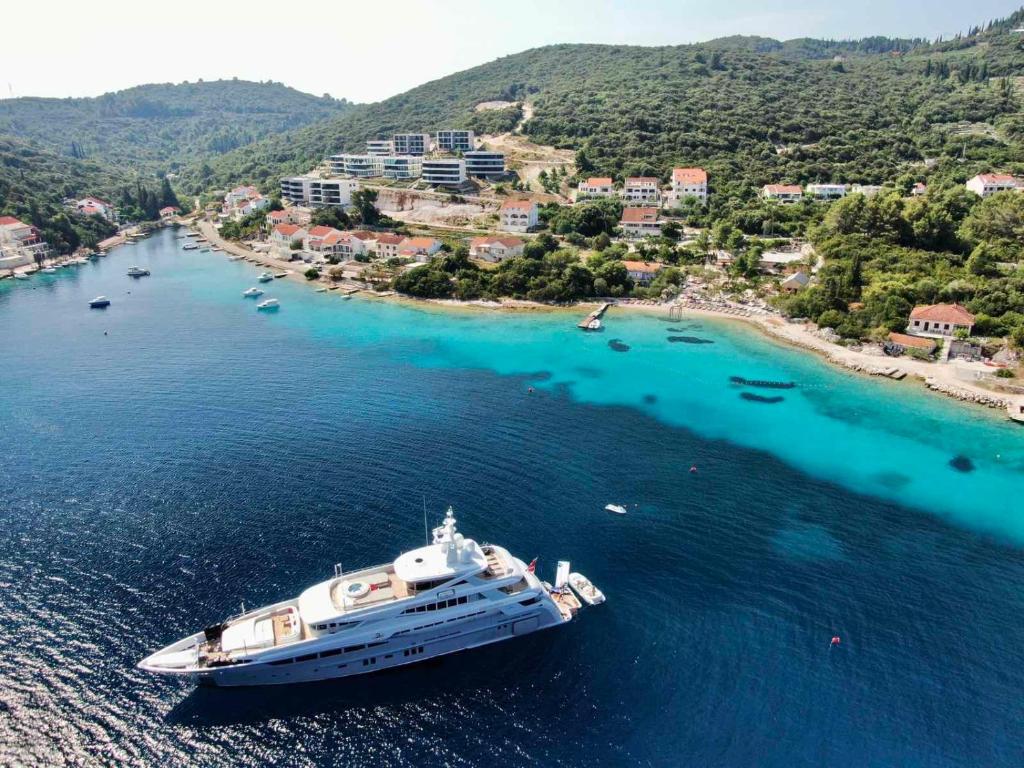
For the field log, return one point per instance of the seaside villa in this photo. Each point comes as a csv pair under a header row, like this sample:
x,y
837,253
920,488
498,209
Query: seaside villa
x,y
595,186
518,215
642,272
640,222
939,320
986,184
688,182
783,193
495,248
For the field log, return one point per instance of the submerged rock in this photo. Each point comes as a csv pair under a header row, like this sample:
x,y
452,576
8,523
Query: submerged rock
x,y
688,340
650,399
754,398
618,346
961,464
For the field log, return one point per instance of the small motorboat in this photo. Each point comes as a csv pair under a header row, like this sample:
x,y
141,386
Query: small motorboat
x,y
594,325
20,276
588,593
190,247
137,272
265,277
270,305
49,270
235,258
252,293
618,509
99,302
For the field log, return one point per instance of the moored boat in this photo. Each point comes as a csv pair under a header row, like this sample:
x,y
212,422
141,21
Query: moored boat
x,y
448,596
99,302
270,305
587,592
134,271
265,277
251,293
618,509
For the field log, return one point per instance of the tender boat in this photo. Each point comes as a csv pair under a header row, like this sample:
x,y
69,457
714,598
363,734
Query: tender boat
x,y
594,325
190,247
618,509
20,276
448,596
251,293
270,305
99,302
588,593
265,277
49,270
137,271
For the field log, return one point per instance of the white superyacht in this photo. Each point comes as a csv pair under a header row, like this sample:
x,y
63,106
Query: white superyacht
x,y
441,598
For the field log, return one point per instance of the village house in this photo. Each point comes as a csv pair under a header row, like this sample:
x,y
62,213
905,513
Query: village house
x,y
826,191
94,206
595,186
388,245
169,212
868,190
368,240
640,222
795,282
688,182
518,215
642,272
495,248
323,241
252,205
918,189
239,194
641,190
985,184
899,343
940,320
283,235
783,193
418,248
293,215
21,242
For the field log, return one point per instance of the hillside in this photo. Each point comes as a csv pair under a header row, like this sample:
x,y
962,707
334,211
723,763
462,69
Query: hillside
x,y
749,109
160,128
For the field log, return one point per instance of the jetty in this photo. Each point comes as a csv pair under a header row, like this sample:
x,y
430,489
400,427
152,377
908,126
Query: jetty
x,y
597,314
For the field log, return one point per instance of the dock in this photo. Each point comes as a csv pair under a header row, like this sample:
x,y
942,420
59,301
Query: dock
x,y
597,314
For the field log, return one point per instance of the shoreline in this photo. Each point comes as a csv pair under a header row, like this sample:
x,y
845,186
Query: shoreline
x,y
937,378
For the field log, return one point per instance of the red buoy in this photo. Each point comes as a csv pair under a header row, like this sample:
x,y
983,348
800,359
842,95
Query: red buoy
x,y
835,640
693,469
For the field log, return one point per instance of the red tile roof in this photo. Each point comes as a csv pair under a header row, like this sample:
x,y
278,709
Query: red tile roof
x,y
426,243
783,189
8,220
917,342
689,176
321,231
638,215
389,239
953,314
599,181
997,178
278,215
286,229
508,242
643,266
641,180
362,234
517,205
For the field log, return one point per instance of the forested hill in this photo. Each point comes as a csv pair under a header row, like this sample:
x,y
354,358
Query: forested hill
x,y
160,128
750,110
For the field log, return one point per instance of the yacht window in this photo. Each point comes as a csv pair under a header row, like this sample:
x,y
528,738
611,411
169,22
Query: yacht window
x,y
306,657
282,661
334,652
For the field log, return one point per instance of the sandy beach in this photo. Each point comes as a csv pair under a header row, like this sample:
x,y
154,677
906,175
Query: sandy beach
x,y
941,378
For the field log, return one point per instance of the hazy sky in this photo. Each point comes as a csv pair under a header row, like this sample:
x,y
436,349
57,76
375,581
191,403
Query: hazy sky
x,y
366,51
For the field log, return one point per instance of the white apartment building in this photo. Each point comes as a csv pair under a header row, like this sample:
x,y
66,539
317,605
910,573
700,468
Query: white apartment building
x,y
595,186
20,239
868,190
316,192
444,172
783,193
985,184
495,249
641,190
518,215
360,166
388,245
455,141
411,143
402,167
380,147
688,182
827,191
238,194
484,164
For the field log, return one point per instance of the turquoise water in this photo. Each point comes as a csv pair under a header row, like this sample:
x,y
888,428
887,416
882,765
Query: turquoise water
x,y
180,452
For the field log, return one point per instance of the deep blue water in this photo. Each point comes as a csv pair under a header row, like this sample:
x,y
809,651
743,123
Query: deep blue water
x,y
200,453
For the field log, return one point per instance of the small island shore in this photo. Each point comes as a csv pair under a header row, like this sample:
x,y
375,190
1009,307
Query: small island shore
x,y
938,378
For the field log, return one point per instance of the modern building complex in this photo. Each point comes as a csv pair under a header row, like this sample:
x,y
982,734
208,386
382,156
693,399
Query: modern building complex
x,y
985,184
518,215
640,222
688,182
411,143
444,172
641,190
360,166
313,191
484,164
455,141
401,166
380,147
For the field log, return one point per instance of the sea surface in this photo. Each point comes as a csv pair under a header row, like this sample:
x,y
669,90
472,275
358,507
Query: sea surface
x,y
167,458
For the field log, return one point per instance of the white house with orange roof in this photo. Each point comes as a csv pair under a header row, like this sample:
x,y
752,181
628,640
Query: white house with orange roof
x,y
21,242
418,248
595,186
388,245
94,206
641,190
283,235
688,182
292,215
783,193
643,272
518,215
495,248
985,184
169,211
640,222
939,320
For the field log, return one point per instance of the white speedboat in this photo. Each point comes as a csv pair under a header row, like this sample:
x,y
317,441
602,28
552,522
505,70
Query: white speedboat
x,y
251,293
20,276
137,271
265,277
618,509
594,325
190,247
588,593
270,305
80,260
448,596
49,270
99,302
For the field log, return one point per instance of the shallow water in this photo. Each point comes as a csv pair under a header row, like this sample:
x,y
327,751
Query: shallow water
x,y
201,453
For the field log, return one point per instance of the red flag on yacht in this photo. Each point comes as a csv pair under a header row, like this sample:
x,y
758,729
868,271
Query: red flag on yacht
x,y
532,567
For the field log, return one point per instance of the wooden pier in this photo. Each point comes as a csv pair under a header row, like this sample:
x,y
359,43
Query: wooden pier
x,y
597,314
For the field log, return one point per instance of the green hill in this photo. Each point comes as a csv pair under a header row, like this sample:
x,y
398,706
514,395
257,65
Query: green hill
x,y
751,110
160,128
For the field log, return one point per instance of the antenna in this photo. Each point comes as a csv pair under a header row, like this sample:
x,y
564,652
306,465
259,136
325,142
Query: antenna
x,y
426,534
